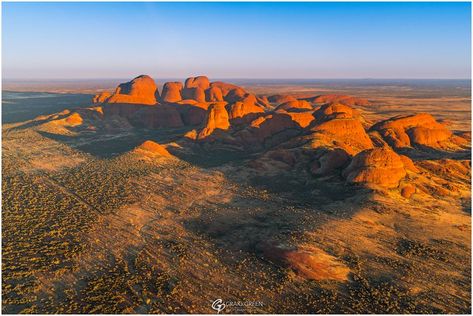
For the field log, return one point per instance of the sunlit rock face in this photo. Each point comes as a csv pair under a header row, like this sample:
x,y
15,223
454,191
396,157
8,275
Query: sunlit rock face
x,y
217,118
411,130
379,166
172,92
152,149
141,90
295,106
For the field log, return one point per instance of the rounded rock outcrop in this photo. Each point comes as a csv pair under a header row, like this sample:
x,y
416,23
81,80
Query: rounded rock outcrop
x,y
245,107
172,92
217,118
281,98
201,82
230,92
339,126
413,130
140,90
197,94
295,106
376,167
214,94
152,149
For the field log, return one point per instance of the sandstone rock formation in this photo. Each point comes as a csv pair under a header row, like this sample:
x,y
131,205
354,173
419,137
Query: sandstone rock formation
x,y
281,98
214,94
408,190
141,90
409,164
231,93
339,126
150,148
197,82
303,119
101,97
172,92
295,106
192,113
159,116
379,167
335,111
197,94
217,118
329,160
413,130
342,99
268,130
245,107
74,119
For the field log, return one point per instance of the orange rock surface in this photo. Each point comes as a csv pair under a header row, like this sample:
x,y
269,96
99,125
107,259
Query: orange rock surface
x,y
335,111
172,92
214,94
303,119
152,148
411,130
101,97
379,166
347,134
339,126
74,119
231,93
197,94
295,106
197,82
217,118
141,90
269,126
281,98
246,106
408,190
409,164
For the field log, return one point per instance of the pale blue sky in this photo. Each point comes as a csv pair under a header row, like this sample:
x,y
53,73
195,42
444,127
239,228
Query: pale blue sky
x,y
236,40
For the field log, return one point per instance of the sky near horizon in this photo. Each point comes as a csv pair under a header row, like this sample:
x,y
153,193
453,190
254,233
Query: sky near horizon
x,y
236,40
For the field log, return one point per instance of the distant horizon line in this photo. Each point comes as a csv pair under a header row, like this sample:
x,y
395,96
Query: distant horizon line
x,y
219,78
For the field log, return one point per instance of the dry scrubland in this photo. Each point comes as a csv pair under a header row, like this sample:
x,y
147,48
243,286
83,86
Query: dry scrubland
x,y
95,223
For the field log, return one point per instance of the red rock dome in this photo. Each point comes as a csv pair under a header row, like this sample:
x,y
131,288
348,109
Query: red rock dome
x,y
141,90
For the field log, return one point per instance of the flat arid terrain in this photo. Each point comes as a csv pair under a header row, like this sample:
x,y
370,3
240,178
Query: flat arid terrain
x,y
274,196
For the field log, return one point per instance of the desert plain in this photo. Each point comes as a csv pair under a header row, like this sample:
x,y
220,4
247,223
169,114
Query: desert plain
x,y
292,196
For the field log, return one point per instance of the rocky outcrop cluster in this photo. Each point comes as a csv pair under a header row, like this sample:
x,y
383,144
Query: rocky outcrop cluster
x,y
413,130
179,104
378,166
328,129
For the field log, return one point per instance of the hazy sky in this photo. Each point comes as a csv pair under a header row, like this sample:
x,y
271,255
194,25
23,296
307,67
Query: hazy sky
x,y
236,40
